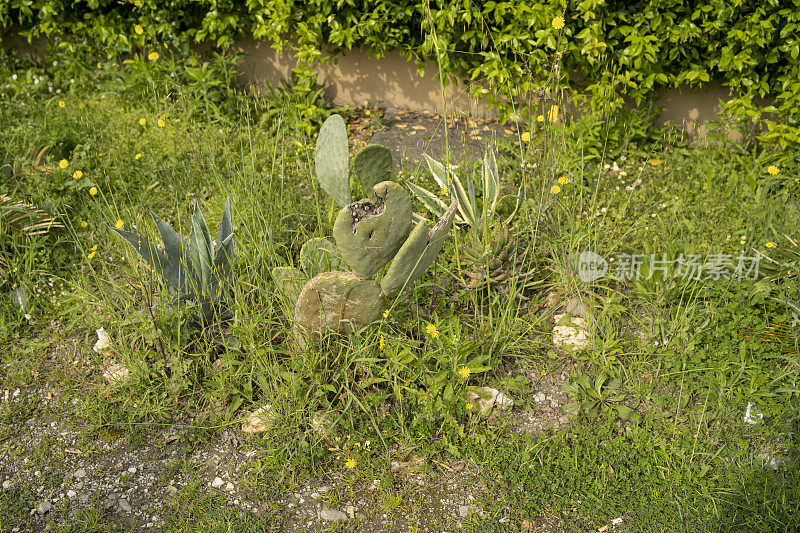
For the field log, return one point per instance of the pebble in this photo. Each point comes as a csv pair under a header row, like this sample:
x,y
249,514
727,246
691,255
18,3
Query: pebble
x,y
332,515
540,397
80,473
463,511
7,484
229,487
71,494
124,505
132,470
43,507
217,482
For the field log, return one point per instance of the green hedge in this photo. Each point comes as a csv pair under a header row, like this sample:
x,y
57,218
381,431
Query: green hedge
x,y
620,49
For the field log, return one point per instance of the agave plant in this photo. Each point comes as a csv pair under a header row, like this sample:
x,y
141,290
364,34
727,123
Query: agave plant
x,y
201,271
36,156
470,213
23,219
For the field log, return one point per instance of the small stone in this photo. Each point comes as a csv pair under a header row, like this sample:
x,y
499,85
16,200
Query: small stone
x,y
489,398
554,404
7,484
463,511
124,505
540,397
71,494
115,372
84,498
80,473
132,470
217,482
172,489
229,487
573,335
43,507
315,495
103,341
332,515
259,420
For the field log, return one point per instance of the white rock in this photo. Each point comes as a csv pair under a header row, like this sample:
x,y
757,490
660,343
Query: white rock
x,y
71,493
332,515
229,487
80,473
573,336
132,470
495,398
103,341
259,420
217,482
751,415
115,372
7,484
44,507
463,511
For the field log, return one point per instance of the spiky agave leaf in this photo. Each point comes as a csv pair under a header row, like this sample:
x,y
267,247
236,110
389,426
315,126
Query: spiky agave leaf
x,y
25,218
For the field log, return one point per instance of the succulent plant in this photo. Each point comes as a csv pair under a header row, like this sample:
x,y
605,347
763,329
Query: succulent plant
x,y
470,213
371,165
369,234
201,271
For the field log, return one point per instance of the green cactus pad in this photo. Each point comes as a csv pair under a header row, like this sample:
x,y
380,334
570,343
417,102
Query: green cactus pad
x,y
417,253
337,301
289,281
320,255
331,160
372,165
370,233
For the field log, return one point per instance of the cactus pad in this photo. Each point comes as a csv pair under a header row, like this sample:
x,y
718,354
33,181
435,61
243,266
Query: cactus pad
x,y
417,253
337,300
369,233
289,281
320,255
372,165
331,159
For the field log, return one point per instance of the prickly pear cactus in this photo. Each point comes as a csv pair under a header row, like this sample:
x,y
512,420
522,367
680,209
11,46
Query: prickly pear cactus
x,y
331,159
337,301
417,253
372,165
370,232
289,281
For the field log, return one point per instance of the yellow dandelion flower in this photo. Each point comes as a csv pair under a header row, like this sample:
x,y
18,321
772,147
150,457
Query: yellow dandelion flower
x,y
94,248
552,115
92,254
382,343
137,156
770,245
93,191
161,122
84,223
558,22
77,174
526,137
468,407
386,314
444,191
138,29
153,56
655,162
350,463
540,118
368,112
772,169
431,330
63,164
563,180
137,3
555,189
143,122
464,372
119,224
99,65
62,104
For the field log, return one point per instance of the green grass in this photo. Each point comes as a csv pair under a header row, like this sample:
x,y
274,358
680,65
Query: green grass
x,y
688,356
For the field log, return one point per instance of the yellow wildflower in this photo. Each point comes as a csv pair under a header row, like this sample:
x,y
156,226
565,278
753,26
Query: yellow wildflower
x,y
94,248
553,113
563,180
540,118
468,407
99,65
93,191
368,112
558,22
77,174
431,330
526,136
84,223
137,156
152,56
444,191
771,245
772,169
63,164
555,189
143,122
138,29
119,224
464,372
91,255
350,463
62,104
382,343
655,162
161,122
